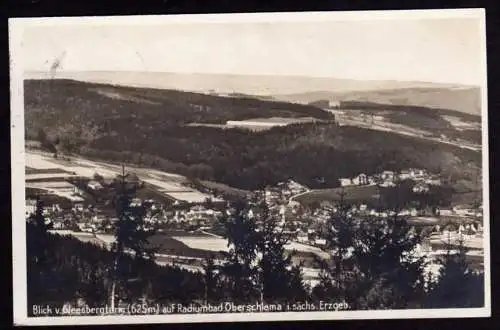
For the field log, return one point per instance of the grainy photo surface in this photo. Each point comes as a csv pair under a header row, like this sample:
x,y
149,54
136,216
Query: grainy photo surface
x,y
249,167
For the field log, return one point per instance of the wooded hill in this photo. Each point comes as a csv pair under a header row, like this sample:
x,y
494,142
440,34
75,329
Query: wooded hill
x,y
147,127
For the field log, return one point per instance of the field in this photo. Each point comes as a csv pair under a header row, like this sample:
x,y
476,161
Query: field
x,y
225,189
43,166
47,176
59,188
216,244
30,170
199,245
176,245
207,243
354,193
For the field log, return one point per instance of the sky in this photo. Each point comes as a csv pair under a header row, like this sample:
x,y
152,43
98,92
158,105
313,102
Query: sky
x,y
433,50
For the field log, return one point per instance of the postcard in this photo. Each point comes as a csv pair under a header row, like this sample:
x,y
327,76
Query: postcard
x,y
250,167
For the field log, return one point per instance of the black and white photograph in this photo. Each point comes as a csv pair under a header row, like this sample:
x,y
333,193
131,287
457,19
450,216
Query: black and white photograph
x,y
249,167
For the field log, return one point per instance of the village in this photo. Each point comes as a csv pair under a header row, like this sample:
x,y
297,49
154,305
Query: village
x,y
81,206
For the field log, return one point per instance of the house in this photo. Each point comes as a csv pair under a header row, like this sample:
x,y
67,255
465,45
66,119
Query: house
x,y
433,181
420,188
334,104
344,182
56,208
81,225
30,207
405,175
78,207
361,179
387,175
296,187
416,173
271,195
463,211
371,180
136,202
444,212
320,241
386,179
94,185
404,213
302,237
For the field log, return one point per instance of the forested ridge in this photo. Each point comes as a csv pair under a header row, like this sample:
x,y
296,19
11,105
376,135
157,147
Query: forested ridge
x,y
76,119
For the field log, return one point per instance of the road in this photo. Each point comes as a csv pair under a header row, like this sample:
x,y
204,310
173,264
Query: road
x,y
300,194
398,129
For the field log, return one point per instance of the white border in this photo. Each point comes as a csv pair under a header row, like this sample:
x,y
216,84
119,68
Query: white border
x,y
16,26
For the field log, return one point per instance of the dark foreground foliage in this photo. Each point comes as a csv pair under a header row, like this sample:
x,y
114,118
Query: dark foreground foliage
x,y
369,276
71,270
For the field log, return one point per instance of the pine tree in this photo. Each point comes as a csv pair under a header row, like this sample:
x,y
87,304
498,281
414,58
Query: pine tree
x,y
457,285
340,235
91,283
373,262
211,280
390,268
240,268
37,244
279,280
258,266
131,237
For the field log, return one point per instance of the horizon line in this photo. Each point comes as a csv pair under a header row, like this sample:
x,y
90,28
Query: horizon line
x,y
457,84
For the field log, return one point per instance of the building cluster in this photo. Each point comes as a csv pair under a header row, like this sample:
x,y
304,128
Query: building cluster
x,y
461,211
421,178
86,217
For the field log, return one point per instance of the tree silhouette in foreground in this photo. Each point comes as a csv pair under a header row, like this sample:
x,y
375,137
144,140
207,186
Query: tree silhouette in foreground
x,y
37,253
211,280
373,263
131,237
257,266
240,270
279,279
457,286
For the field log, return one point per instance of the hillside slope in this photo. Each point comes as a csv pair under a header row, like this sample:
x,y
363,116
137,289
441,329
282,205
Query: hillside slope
x,y
59,103
466,99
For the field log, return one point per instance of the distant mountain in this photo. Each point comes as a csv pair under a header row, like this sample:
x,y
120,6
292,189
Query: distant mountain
x,y
227,83
466,99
